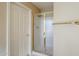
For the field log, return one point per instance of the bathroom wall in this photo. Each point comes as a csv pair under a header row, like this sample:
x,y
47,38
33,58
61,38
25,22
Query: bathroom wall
x,y
66,36
2,26
66,11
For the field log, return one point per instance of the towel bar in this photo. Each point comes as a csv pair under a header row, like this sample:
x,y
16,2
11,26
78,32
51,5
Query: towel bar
x,y
73,22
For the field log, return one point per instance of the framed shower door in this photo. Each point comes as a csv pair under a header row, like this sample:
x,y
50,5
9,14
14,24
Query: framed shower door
x,y
38,33
43,33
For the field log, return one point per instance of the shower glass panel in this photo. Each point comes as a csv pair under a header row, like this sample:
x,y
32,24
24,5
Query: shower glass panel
x,y
49,33
38,33
43,33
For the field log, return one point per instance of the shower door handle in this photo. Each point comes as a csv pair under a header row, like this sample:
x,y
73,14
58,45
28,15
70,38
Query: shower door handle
x,y
44,42
44,39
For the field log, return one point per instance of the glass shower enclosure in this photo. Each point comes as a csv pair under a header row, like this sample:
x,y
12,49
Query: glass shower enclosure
x,y
43,33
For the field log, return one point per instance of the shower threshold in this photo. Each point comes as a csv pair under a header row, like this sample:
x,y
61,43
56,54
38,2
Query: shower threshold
x,y
34,53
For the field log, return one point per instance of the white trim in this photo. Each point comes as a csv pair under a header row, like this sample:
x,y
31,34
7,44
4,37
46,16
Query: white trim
x,y
30,30
7,26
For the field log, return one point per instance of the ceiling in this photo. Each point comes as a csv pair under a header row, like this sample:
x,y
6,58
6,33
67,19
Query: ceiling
x,y
44,6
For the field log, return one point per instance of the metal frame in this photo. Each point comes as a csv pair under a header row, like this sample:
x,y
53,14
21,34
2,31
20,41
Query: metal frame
x,y
76,22
44,34
44,13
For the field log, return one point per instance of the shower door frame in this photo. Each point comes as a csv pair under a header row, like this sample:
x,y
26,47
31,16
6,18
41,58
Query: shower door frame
x,y
44,14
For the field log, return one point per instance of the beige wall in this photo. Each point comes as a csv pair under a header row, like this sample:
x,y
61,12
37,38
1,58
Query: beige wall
x,y
66,11
66,37
2,25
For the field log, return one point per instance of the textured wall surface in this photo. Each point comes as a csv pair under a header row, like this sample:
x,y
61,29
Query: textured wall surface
x,y
66,36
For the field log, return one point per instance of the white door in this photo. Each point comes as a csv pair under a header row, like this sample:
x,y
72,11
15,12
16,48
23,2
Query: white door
x,y
20,30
